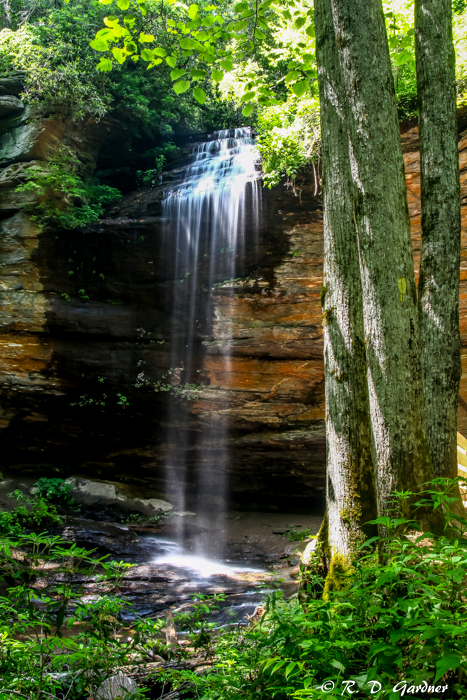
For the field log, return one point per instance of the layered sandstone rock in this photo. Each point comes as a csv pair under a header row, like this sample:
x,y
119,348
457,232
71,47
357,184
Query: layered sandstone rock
x,y
84,313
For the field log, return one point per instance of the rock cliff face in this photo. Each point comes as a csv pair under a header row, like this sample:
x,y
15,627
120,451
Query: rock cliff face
x,y
84,312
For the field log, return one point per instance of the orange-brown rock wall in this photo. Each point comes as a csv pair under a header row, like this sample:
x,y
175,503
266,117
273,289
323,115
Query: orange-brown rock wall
x,y
84,312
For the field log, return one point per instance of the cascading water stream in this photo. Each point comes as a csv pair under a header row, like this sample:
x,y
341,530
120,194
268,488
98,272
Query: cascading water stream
x,y
211,219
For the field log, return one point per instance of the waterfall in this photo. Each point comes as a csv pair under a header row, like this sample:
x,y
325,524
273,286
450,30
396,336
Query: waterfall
x,y
211,219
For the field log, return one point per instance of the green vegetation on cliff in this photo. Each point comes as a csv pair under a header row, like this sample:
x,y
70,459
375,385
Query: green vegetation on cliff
x,y
207,64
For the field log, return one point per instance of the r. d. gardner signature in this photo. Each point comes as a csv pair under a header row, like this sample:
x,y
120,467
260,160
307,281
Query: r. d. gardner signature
x,y
403,687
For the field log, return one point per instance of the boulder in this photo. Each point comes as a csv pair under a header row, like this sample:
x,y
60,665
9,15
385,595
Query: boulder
x,y
9,104
105,494
151,506
11,86
89,492
117,687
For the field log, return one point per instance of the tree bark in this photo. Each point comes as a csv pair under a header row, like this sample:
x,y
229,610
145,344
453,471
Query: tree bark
x,y
351,493
438,297
390,312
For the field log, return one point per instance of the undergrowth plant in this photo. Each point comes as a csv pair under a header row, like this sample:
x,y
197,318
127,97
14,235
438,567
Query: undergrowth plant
x,y
62,197
32,513
397,626
55,490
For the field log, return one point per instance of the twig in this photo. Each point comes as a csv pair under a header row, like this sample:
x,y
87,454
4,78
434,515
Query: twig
x,y
175,693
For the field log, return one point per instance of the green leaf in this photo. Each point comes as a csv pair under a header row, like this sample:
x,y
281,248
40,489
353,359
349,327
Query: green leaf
x,y
119,54
106,2
147,55
142,8
240,26
111,21
171,61
104,65
298,24
241,6
401,58
217,75
310,30
193,11
227,64
290,667
60,617
248,96
177,73
181,86
159,52
338,665
188,44
6,550
246,111
277,666
450,661
145,38
99,45
300,88
293,75
259,34
123,4
199,95
197,73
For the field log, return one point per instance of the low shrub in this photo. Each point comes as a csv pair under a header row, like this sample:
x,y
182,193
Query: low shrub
x,y
398,624
54,490
32,513
63,198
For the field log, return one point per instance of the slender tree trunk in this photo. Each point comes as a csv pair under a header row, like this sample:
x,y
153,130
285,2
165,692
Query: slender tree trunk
x,y
351,494
438,300
386,263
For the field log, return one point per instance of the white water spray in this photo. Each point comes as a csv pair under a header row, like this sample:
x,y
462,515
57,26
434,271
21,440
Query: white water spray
x,y
211,219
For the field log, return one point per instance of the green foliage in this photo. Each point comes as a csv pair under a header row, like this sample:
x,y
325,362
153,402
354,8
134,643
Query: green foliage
x,y
170,382
145,178
298,535
63,198
459,6
54,490
289,138
35,512
460,43
402,619
53,644
400,622
56,61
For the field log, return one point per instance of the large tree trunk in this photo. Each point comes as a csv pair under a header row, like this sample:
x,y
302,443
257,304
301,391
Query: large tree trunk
x,y
351,494
441,226
383,228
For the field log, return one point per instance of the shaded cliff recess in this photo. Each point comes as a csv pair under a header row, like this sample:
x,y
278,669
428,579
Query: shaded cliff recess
x,y
84,312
